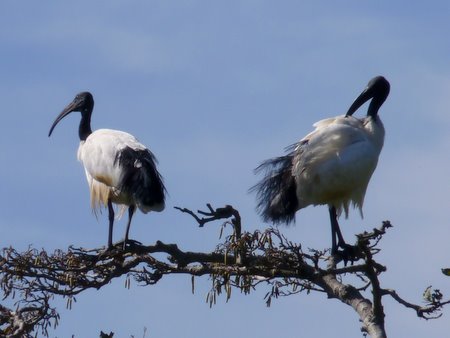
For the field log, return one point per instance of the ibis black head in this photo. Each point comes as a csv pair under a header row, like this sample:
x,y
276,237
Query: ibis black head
x,y
84,103
378,90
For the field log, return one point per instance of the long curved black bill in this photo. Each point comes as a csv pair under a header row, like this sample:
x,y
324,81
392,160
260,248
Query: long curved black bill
x,y
378,90
66,111
365,96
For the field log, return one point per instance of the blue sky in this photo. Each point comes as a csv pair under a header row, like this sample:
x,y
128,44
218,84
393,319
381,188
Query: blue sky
x,y
213,88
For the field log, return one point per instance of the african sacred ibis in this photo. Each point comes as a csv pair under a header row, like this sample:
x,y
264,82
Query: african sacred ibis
x,y
331,165
118,168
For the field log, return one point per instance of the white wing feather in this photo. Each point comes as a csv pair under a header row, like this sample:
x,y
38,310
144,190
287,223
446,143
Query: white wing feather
x,y
98,155
334,163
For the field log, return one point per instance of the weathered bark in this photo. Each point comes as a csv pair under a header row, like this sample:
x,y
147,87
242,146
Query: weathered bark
x,y
371,324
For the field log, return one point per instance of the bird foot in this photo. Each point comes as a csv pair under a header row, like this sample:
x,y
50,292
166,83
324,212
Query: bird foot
x,y
109,251
129,244
123,245
349,253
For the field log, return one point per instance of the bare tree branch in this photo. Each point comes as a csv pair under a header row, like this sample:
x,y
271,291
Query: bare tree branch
x,y
242,260
429,311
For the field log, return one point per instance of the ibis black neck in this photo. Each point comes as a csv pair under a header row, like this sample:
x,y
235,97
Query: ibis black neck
x,y
85,126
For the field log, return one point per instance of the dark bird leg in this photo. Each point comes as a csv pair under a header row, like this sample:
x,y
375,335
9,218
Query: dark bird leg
x,y
111,223
348,252
335,231
131,210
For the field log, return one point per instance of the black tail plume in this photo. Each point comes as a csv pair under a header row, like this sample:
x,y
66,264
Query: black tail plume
x,y
276,192
141,179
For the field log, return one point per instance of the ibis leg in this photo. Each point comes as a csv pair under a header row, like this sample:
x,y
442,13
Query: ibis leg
x,y
334,224
111,222
337,240
131,210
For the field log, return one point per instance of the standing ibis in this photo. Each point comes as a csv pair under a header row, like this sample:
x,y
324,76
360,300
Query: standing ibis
x,y
331,165
118,168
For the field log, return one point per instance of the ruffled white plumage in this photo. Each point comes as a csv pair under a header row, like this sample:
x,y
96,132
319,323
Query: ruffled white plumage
x,y
334,163
97,154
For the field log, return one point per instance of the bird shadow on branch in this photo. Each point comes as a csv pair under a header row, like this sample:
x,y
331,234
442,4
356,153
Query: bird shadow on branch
x,y
242,260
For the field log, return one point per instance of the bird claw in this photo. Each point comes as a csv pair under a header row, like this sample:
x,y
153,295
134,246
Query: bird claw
x,y
349,253
121,246
129,244
109,251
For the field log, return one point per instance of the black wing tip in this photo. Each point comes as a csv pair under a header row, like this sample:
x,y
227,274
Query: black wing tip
x,y
276,192
274,164
145,183
277,214
278,218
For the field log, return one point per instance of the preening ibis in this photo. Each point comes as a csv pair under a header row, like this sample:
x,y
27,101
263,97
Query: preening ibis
x,y
118,168
330,166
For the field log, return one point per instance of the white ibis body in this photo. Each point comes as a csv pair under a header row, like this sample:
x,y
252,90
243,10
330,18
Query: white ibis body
x,y
119,169
330,166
